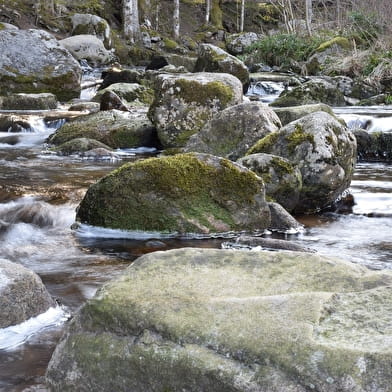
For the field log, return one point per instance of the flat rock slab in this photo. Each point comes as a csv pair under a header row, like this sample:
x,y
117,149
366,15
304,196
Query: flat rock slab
x,y
223,320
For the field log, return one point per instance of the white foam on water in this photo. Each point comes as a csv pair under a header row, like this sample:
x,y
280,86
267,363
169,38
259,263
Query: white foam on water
x,y
16,335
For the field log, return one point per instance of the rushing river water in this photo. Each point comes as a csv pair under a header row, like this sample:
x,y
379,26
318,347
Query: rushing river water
x,y
38,196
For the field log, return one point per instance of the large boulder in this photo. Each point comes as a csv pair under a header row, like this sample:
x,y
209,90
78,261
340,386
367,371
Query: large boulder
x,y
88,47
282,180
78,146
325,152
223,321
22,294
185,193
318,90
183,103
114,128
32,61
213,59
234,130
92,25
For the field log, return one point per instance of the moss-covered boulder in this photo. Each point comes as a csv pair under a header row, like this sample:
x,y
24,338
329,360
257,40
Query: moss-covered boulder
x,y
282,179
130,92
234,130
32,61
185,193
88,47
213,59
313,91
114,128
43,101
92,25
183,103
292,113
22,294
325,152
78,146
222,321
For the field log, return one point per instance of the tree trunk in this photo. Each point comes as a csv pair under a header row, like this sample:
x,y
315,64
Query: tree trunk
x,y
131,20
176,19
308,17
208,9
242,16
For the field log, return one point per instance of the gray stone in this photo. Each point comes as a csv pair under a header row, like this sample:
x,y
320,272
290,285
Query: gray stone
x,y
32,61
238,43
114,128
88,47
234,130
325,152
281,220
231,321
213,59
183,103
78,146
292,113
92,25
129,92
22,294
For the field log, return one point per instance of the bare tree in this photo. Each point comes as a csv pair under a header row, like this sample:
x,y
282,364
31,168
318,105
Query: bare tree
x,y
242,16
208,10
176,19
308,15
131,20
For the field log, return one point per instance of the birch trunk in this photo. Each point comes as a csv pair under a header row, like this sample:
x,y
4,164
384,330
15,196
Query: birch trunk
x,y
242,16
176,19
131,20
208,10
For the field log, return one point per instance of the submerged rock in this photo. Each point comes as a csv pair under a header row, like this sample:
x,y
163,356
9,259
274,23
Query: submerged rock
x,y
234,130
32,61
78,146
22,294
375,146
114,128
185,193
183,103
325,152
222,320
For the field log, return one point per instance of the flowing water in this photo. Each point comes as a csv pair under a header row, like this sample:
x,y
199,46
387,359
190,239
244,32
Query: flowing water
x,y
38,196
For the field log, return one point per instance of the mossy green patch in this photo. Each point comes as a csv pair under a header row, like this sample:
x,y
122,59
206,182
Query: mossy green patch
x,y
340,41
265,144
297,137
194,92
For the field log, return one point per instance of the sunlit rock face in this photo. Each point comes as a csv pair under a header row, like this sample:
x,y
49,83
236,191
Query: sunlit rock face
x,y
222,320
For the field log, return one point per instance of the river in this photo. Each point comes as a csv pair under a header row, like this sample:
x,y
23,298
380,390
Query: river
x,y
39,193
